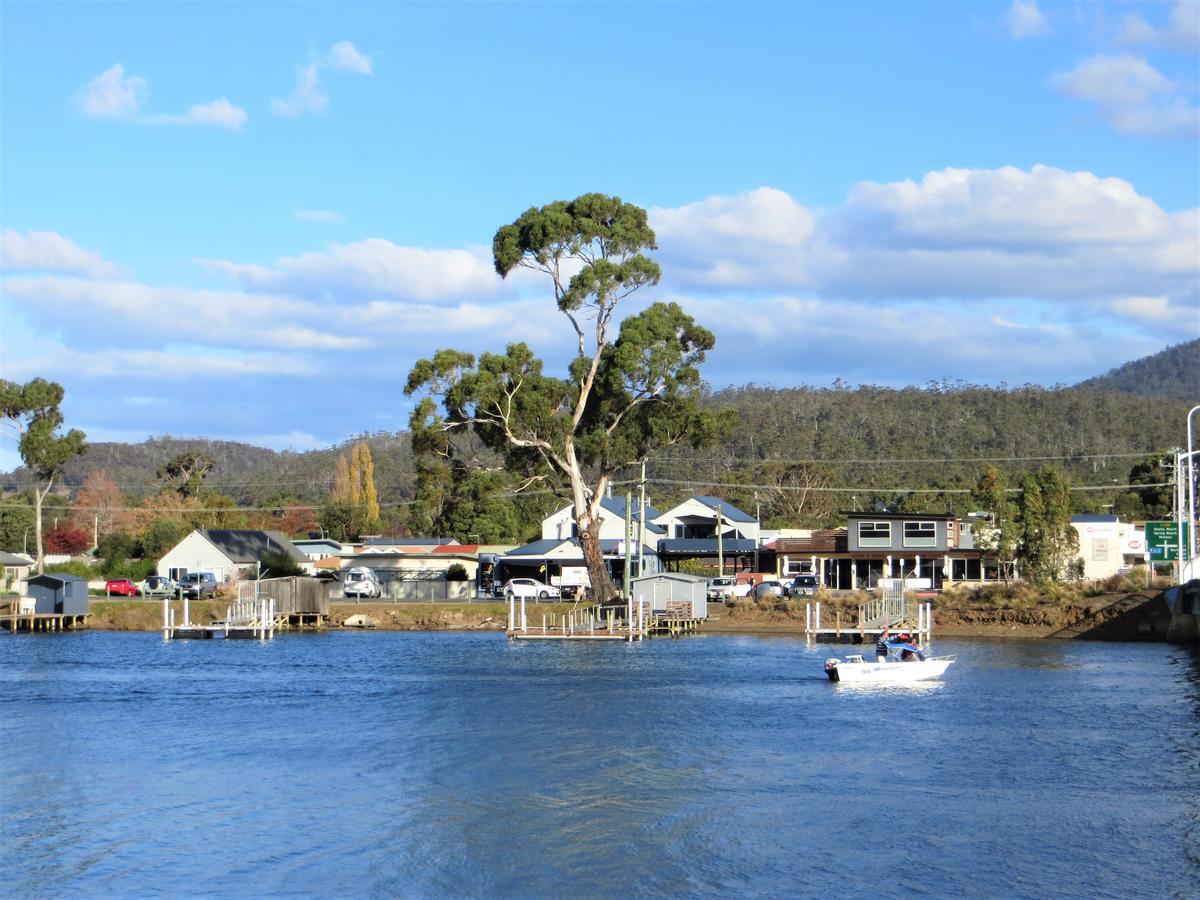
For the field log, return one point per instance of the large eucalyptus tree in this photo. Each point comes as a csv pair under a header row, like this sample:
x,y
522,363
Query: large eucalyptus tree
x,y
34,408
622,396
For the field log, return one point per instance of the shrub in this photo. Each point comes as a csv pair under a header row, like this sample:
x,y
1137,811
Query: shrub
x,y
277,564
67,537
456,572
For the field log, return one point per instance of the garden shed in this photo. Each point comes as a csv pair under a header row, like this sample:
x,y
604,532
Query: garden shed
x,y
58,594
674,594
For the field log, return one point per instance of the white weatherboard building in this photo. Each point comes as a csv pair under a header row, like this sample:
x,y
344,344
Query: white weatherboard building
x,y
226,553
1108,546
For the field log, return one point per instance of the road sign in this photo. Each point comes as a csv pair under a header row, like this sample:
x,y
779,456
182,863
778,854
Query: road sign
x,y
1162,540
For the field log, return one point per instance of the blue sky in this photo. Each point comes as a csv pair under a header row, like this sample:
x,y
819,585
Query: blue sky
x,y
247,221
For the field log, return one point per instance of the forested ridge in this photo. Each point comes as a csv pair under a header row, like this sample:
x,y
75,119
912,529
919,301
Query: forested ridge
x,y
854,436
1173,372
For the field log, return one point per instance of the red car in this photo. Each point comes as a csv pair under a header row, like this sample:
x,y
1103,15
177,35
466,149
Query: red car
x,y
121,587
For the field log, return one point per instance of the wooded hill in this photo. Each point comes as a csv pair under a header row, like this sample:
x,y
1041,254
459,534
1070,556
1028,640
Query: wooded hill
x,y
1173,372
877,443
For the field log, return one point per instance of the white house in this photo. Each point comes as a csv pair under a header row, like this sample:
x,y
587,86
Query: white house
x,y
560,525
226,553
1107,545
698,517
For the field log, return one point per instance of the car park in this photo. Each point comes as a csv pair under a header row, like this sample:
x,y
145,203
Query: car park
x,y
802,586
361,582
530,589
769,589
198,585
720,588
121,587
158,586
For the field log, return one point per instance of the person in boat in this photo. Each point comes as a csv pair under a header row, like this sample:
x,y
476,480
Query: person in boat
x,y
881,647
909,652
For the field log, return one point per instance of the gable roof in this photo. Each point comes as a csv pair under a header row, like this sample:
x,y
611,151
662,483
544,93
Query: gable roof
x,y
250,546
616,506
11,559
728,510
61,577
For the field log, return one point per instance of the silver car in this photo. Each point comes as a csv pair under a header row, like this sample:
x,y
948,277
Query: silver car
x,y
765,589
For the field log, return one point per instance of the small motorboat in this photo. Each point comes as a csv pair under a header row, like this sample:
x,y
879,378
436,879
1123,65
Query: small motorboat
x,y
904,663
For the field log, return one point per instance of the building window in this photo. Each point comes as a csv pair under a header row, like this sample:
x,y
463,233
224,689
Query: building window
x,y
920,534
874,534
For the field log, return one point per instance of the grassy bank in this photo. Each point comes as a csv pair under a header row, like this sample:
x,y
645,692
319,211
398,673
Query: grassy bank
x,y
146,615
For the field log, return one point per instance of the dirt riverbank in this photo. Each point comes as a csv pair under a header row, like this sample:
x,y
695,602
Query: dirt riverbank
x,y
1136,616
1124,616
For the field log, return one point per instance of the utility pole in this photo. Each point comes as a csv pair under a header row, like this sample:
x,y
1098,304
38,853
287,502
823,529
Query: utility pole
x,y
642,519
628,540
720,544
758,525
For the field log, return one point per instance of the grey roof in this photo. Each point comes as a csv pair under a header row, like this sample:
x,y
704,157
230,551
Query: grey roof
x,y
705,546
728,510
11,559
912,516
545,545
616,506
408,541
539,548
62,577
672,576
250,546
1084,518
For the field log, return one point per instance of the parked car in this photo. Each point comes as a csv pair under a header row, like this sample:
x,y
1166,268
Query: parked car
x,y
198,585
720,588
530,588
121,587
802,586
361,582
158,586
765,589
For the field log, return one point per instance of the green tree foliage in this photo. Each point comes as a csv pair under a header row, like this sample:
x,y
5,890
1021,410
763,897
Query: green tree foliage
x,y
17,522
160,536
621,398
999,539
1048,544
35,407
185,472
115,548
277,564
456,572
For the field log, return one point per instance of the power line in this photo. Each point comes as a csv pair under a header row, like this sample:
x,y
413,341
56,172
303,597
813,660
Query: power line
x,y
952,459
875,490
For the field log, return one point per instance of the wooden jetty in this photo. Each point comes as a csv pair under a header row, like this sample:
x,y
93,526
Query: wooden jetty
x,y
22,616
244,619
634,622
891,613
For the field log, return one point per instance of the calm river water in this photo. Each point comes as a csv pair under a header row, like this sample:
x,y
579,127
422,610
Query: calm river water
x,y
393,764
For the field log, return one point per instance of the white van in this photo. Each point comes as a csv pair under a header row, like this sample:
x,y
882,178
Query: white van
x,y
361,582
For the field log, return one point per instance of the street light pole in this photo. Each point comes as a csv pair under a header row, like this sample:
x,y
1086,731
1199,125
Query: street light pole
x,y
1191,486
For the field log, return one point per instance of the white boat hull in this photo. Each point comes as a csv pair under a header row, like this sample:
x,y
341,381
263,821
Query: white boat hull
x,y
888,672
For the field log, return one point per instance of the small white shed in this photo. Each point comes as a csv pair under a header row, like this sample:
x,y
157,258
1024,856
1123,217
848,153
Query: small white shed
x,y
673,594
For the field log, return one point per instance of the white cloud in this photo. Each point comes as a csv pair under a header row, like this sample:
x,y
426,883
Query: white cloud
x,y
320,215
1180,32
1025,19
1132,96
344,57
113,95
308,94
216,114
983,234
730,240
48,251
372,268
